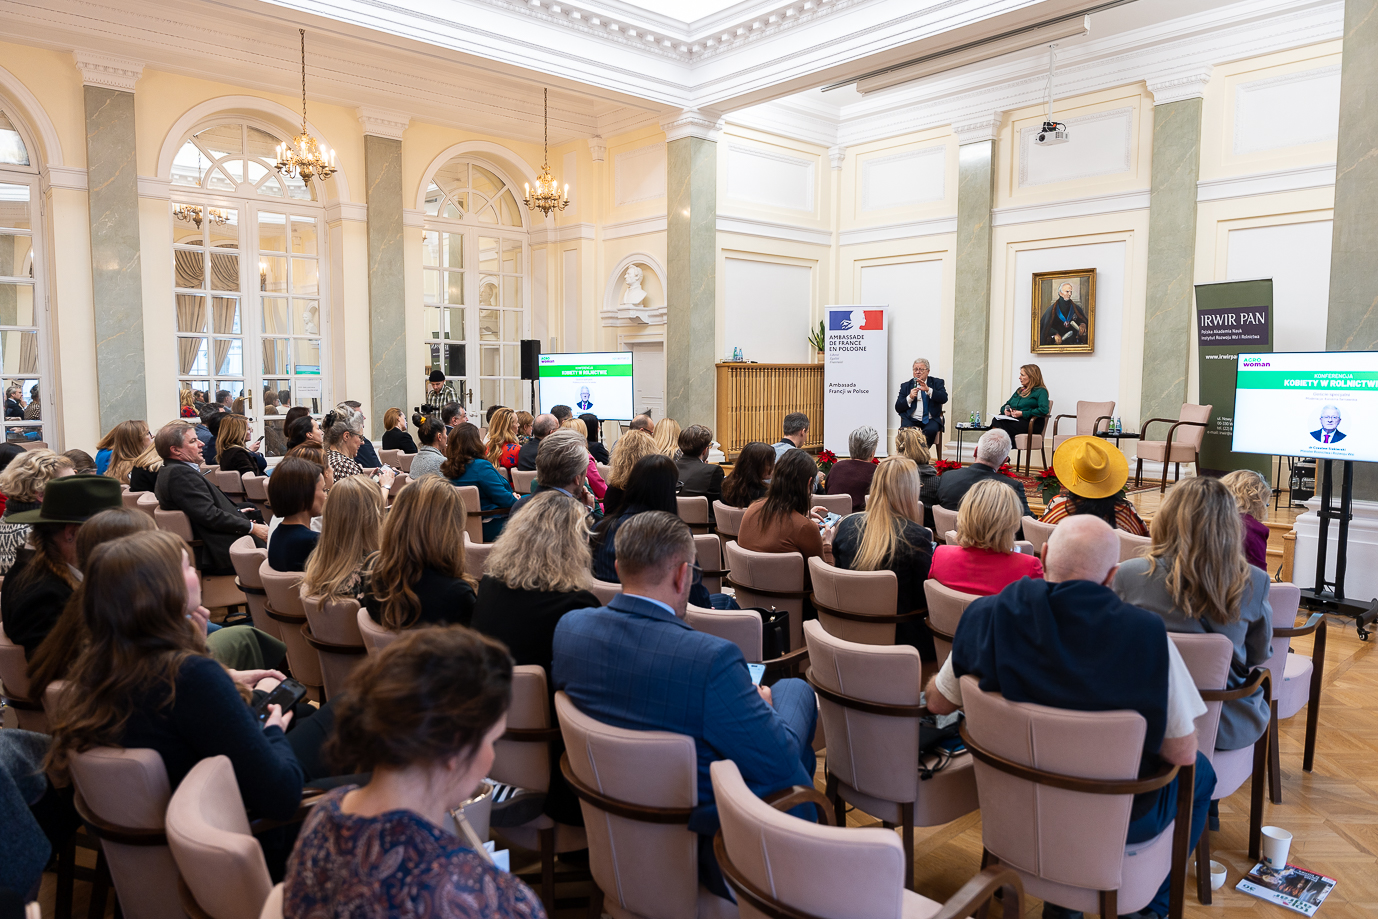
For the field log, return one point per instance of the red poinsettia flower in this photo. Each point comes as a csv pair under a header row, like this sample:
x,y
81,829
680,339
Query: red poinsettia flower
x,y
875,461
1049,473
827,456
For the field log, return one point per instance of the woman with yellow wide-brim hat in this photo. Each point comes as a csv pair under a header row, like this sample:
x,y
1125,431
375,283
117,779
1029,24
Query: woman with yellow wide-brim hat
x,y
1092,474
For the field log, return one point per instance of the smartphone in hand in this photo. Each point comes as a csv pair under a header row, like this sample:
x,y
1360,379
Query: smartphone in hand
x,y
757,671
829,520
287,694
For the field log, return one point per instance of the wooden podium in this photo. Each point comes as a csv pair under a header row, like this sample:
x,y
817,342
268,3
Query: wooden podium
x,y
753,399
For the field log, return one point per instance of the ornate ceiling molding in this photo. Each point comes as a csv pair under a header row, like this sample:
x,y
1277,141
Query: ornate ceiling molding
x,y
836,154
382,124
982,128
691,123
598,149
108,71
1179,88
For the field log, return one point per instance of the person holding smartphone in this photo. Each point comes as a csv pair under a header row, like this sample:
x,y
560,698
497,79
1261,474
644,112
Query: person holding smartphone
x,y
233,449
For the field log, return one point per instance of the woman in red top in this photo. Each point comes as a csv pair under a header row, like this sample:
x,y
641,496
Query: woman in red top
x,y
984,560
503,445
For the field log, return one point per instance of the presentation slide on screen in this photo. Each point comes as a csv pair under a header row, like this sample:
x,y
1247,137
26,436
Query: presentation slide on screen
x,y
599,382
1308,403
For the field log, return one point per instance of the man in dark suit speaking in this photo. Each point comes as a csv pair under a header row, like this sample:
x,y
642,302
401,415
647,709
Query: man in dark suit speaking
x,y
921,400
1329,432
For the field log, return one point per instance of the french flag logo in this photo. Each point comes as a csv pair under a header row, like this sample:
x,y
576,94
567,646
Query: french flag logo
x,y
857,321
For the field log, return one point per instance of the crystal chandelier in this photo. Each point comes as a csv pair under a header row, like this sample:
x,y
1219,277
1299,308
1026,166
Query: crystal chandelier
x,y
193,213
303,156
547,197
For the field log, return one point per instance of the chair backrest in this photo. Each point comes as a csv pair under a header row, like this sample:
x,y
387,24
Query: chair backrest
x,y
604,590
1190,433
129,789
390,457
284,599
836,504
1037,532
741,627
521,481
1132,546
945,608
861,593
208,832
375,636
1088,412
770,571
693,510
230,482
175,522
335,623
14,669
729,519
475,555
823,871
148,503
248,559
403,461
473,523
1285,599
1208,658
1068,837
399,482
525,763
709,549
255,487
34,444
944,521
283,590
604,470
646,869
272,907
131,498
875,754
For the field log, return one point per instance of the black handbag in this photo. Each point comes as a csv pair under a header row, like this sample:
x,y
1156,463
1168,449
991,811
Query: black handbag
x,y
774,632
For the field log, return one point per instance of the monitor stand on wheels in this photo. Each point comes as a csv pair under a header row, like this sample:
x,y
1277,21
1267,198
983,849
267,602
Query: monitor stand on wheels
x,y
1329,596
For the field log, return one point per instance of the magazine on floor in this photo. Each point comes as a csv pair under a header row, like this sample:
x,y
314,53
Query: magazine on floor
x,y
1295,888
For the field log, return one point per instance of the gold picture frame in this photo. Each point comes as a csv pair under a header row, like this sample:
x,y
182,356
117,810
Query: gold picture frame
x,y
1068,330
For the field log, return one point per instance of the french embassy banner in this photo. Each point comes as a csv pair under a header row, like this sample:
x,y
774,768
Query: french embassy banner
x,y
1231,316
856,390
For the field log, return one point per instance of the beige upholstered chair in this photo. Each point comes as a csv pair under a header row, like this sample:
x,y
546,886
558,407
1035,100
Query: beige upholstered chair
x,y
785,867
248,559
770,580
1028,443
868,701
284,606
1132,546
473,523
1208,658
604,590
836,504
1090,418
14,686
1056,787
122,798
148,502
521,481
332,629
272,907
945,608
709,549
392,457
399,482
694,511
375,636
131,498
743,628
522,757
1296,678
230,482
217,590
729,519
404,461
34,444
857,605
1185,434
256,491
475,555
944,522
636,790
1037,532
223,874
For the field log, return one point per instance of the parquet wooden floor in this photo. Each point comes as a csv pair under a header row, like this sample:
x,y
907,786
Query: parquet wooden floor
x,y
1332,812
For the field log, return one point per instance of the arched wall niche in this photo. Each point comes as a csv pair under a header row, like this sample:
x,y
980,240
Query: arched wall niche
x,y
651,310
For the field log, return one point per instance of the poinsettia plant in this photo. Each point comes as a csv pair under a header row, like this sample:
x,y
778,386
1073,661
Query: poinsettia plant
x,y
1048,485
826,460
943,465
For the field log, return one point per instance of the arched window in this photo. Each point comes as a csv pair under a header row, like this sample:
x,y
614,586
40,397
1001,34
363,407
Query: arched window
x,y
249,256
475,252
22,350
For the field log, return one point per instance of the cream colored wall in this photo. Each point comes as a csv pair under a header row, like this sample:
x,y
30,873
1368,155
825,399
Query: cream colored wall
x,y
851,176
71,317
54,80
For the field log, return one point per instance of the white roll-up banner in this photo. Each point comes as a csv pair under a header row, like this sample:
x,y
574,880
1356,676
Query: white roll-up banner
x,y
855,385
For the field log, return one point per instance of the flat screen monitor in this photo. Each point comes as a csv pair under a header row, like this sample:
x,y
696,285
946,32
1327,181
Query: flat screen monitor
x,y
599,382
1321,404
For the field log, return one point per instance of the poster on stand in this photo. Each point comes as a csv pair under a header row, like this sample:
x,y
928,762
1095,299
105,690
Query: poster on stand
x,y
1231,317
855,382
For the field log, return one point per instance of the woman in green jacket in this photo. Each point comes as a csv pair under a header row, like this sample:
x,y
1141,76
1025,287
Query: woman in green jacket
x,y
1029,402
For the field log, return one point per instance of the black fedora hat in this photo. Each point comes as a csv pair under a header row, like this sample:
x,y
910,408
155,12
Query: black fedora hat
x,y
73,499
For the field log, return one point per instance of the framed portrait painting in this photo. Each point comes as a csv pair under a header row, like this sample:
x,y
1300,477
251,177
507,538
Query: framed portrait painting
x,y
1064,312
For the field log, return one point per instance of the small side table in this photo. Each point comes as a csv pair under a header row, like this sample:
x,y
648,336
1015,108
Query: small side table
x,y
963,428
1122,435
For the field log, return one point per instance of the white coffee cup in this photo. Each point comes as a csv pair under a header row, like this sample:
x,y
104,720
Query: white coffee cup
x,y
1218,875
1276,842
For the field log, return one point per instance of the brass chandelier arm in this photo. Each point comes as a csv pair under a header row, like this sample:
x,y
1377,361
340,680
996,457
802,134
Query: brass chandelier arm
x,y
303,157
547,196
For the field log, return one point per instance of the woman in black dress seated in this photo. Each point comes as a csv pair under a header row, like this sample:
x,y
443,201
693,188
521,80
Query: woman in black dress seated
x,y
395,436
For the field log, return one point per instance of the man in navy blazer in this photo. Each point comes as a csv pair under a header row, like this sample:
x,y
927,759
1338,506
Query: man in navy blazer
x,y
636,664
921,400
1329,432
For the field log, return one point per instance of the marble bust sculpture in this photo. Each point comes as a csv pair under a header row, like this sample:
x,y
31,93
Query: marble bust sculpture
x,y
635,296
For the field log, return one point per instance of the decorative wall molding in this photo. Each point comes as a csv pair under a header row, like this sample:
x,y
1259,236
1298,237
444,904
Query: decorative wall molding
x,y
635,227
1180,88
108,71
746,226
544,235
1108,151
893,231
31,118
787,182
692,123
617,314
72,177
1266,183
981,128
598,149
380,123
411,217
1287,110
836,154
639,175
903,179
1072,207
154,187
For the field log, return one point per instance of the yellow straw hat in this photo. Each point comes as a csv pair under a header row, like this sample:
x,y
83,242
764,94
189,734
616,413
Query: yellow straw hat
x,y
1089,467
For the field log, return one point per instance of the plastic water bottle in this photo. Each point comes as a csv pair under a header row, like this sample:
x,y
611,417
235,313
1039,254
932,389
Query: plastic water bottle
x,y
971,419
978,419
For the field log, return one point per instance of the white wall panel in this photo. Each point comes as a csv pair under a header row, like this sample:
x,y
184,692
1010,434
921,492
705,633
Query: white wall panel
x,y
1100,145
766,310
913,291
903,179
639,175
1288,110
1073,377
771,179
569,283
1297,257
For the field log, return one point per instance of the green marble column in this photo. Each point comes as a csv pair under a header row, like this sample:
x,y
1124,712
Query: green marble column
x,y
691,165
116,287
1352,324
1171,248
975,197
386,277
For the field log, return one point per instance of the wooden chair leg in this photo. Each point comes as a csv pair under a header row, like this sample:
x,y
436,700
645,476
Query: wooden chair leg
x,y
100,888
907,828
1313,704
1203,867
1138,472
66,879
1181,841
548,870
1256,782
1274,760
1109,908
839,808
596,903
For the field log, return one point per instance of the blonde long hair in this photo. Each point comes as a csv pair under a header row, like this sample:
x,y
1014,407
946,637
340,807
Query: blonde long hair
x,y
629,449
894,502
349,535
1250,490
502,430
988,517
911,442
1197,540
546,547
233,432
424,529
1035,379
129,441
667,437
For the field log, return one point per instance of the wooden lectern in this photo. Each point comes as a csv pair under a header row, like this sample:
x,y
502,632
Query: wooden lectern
x,y
753,399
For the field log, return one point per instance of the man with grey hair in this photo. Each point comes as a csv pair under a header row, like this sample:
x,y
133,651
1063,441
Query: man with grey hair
x,y
991,452
1067,641
561,464
1329,432
542,426
852,476
795,429
636,664
921,400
